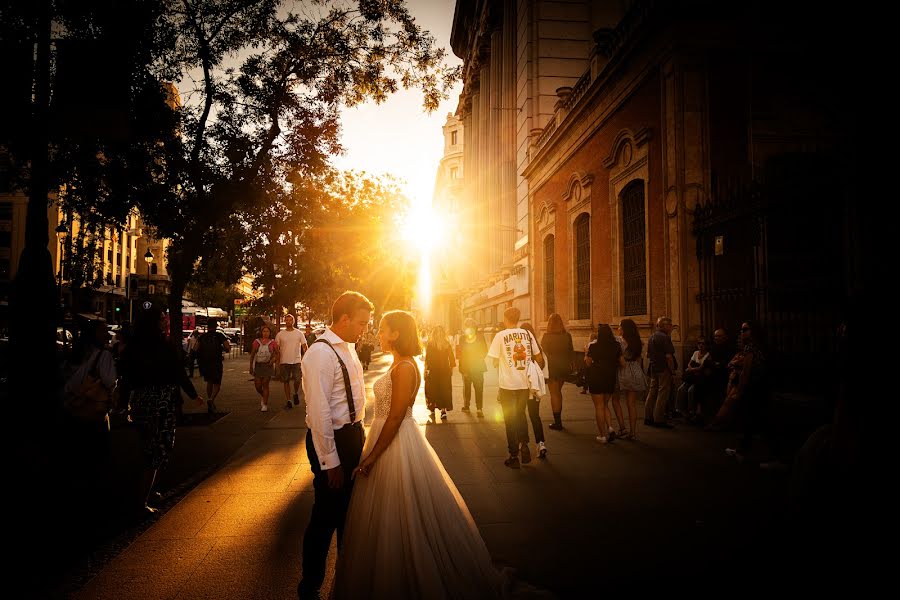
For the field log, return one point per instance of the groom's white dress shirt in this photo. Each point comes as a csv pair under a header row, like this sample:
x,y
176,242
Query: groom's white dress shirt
x,y
326,399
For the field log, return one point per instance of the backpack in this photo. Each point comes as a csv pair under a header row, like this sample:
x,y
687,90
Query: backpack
x,y
209,350
264,353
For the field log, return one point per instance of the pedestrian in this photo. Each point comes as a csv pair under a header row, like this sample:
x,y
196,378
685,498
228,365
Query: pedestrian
x,y
310,336
86,424
156,372
439,363
263,358
661,353
692,382
630,377
366,345
335,408
471,353
212,345
511,351
748,390
582,372
716,373
557,344
193,345
291,347
603,362
533,407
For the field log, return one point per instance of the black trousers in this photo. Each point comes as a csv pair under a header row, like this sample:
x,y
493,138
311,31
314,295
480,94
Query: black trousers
x,y
473,380
513,404
330,506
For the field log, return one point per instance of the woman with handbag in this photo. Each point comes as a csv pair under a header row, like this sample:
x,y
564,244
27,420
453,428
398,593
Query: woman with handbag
x,y
155,371
534,399
630,377
557,342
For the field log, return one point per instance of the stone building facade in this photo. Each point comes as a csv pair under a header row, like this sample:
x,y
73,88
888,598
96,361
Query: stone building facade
x,y
681,159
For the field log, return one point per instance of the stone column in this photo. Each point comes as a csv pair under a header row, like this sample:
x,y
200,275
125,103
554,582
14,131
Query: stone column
x,y
686,182
485,232
507,116
495,197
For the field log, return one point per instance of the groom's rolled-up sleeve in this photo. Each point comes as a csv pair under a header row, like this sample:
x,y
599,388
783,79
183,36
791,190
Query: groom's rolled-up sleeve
x,y
318,382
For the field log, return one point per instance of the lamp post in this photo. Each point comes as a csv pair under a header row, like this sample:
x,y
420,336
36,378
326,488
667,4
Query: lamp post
x,y
149,258
61,233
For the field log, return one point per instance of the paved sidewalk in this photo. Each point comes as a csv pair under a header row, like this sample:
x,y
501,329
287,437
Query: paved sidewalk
x,y
590,517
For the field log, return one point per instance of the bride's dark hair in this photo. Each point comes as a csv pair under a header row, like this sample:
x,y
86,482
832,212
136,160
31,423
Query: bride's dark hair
x,y
407,342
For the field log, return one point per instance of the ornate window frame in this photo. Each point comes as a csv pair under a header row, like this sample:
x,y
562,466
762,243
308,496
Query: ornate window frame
x,y
628,161
577,199
544,226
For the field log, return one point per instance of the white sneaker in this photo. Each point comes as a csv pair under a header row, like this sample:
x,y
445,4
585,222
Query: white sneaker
x,y
542,450
264,408
602,439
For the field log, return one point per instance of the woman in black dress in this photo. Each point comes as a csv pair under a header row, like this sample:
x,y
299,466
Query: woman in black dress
x,y
557,344
439,363
155,372
603,364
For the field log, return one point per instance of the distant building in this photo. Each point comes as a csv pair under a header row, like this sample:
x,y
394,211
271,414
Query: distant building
x,y
452,258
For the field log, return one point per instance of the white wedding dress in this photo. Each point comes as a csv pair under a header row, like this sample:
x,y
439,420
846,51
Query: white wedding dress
x,y
408,532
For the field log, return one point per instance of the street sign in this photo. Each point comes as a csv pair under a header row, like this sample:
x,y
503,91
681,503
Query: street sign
x,y
240,312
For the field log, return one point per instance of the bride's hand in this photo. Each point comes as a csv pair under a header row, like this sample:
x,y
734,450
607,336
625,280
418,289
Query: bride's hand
x,y
363,468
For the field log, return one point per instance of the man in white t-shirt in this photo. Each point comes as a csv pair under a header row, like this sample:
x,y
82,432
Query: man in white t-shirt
x,y
291,346
511,351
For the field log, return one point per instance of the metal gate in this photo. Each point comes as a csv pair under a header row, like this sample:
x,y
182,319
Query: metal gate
x,y
773,250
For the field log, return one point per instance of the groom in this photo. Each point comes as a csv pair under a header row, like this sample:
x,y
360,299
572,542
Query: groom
x,y
335,403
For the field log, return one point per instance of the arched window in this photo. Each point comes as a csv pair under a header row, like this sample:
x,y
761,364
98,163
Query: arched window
x,y
583,266
634,258
549,276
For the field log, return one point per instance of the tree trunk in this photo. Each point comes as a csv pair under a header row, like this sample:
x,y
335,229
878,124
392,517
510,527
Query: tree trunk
x,y
34,309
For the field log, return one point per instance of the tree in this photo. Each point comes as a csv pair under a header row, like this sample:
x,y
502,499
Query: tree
x,y
257,133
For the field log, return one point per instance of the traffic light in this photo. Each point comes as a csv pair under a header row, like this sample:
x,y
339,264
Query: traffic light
x,y
132,291
118,308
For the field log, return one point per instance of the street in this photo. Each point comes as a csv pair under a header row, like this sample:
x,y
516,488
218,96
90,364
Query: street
x,y
668,506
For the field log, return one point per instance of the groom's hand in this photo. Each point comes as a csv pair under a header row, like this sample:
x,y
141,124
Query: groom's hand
x,y
336,477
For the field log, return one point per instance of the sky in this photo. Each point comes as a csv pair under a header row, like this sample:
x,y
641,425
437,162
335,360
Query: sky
x,y
397,136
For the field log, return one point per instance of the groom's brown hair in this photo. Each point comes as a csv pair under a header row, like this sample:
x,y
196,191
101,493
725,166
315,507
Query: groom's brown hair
x,y
347,304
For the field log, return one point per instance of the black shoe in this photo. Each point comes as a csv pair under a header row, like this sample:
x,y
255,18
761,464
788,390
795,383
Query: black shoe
x,y
289,405
512,462
296,400
525,453
211,407
557,426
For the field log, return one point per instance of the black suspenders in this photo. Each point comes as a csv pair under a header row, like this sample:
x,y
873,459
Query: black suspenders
x,y
347,386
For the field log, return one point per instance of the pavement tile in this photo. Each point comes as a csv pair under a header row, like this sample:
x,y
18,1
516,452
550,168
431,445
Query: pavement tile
x,y
148,570
265,514
187,518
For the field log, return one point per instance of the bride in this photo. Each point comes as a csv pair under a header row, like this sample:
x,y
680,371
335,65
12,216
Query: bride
x,y
408,532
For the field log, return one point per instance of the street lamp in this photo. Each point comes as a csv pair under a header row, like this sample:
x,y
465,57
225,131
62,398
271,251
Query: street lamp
x,y
61,233
149,258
